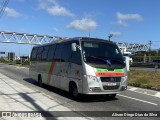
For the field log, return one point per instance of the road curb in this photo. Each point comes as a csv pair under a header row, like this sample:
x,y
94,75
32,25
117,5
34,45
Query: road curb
x,y
144,91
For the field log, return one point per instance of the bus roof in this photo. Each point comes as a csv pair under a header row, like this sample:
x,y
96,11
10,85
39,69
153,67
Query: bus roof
x,y
76,38
90,39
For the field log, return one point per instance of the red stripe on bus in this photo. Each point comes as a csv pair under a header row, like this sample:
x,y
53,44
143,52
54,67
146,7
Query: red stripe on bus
x,y
50,72
110,74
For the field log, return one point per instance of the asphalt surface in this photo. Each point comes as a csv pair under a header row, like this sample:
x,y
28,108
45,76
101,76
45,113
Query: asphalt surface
x,y
133,99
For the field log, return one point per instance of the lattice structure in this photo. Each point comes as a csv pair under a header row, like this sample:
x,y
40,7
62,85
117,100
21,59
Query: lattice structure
x,y
24,38
134,47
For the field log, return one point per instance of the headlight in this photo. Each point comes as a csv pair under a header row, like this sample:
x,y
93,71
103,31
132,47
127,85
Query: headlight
x,y
94,78
125,77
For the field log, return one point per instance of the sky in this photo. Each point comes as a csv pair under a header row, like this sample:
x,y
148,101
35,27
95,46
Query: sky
x,y
132,21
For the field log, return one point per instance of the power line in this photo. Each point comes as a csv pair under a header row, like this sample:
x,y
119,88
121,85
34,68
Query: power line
x,y
3,6
152,42
155,41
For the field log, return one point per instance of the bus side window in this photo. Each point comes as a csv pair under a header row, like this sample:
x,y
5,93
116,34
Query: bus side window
x,y
58,52
66,52
76,56
33,54
45,53
39,53
51,52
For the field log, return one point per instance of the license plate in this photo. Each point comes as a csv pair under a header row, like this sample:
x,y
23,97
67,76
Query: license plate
x,y
110,84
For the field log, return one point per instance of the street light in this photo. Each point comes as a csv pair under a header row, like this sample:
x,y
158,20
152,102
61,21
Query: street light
x,y
109,37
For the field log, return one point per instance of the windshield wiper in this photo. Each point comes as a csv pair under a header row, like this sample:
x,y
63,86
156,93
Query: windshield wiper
x,y
98,58
108,60
117,60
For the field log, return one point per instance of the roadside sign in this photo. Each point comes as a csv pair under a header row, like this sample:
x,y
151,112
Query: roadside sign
x,y
2,52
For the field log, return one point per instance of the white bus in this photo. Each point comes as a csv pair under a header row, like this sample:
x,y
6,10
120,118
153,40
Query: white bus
x,y
80,66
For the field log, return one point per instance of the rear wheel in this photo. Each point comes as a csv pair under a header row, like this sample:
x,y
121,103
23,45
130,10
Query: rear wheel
x,y
40,81
75,92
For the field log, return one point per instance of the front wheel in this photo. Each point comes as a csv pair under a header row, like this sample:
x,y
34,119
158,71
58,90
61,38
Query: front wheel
x,y
74,92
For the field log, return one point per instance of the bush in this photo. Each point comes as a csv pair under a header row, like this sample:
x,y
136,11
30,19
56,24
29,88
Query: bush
x,y
25,62
134,84
3,60
140,82
147,86
158,87
144,85
18,61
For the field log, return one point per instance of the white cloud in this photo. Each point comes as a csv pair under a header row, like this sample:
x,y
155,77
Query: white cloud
x,y
12,12
55,30
53,8
124,18
115,33
85,24
59,11
135,17
122,23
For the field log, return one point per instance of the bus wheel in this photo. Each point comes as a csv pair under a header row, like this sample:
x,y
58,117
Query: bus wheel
x,y
74,92
40,81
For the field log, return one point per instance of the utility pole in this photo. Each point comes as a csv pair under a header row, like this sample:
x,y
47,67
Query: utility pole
x,y
150,43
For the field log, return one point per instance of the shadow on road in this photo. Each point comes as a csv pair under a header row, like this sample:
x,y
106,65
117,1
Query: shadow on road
x,y
83,98
22,99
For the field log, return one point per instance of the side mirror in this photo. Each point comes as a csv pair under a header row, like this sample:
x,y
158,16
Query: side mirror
x,y
73,46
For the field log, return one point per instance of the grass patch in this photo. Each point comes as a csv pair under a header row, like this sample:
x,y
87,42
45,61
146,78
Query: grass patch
x,y
17,63
144,79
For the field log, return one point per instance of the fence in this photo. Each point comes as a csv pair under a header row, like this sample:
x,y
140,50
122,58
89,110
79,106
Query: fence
x,y
145,59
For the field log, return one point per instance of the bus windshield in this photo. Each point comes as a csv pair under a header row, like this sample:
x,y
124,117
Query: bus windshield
x,y
96,52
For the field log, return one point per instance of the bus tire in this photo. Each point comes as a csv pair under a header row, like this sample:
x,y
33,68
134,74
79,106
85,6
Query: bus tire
x,y
40,81
73,91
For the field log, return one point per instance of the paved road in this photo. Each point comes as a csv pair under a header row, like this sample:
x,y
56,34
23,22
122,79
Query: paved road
x,y
133,99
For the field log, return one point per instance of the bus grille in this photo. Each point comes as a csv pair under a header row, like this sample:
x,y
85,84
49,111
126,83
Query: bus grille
x,y
110,79
116,80
110,87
